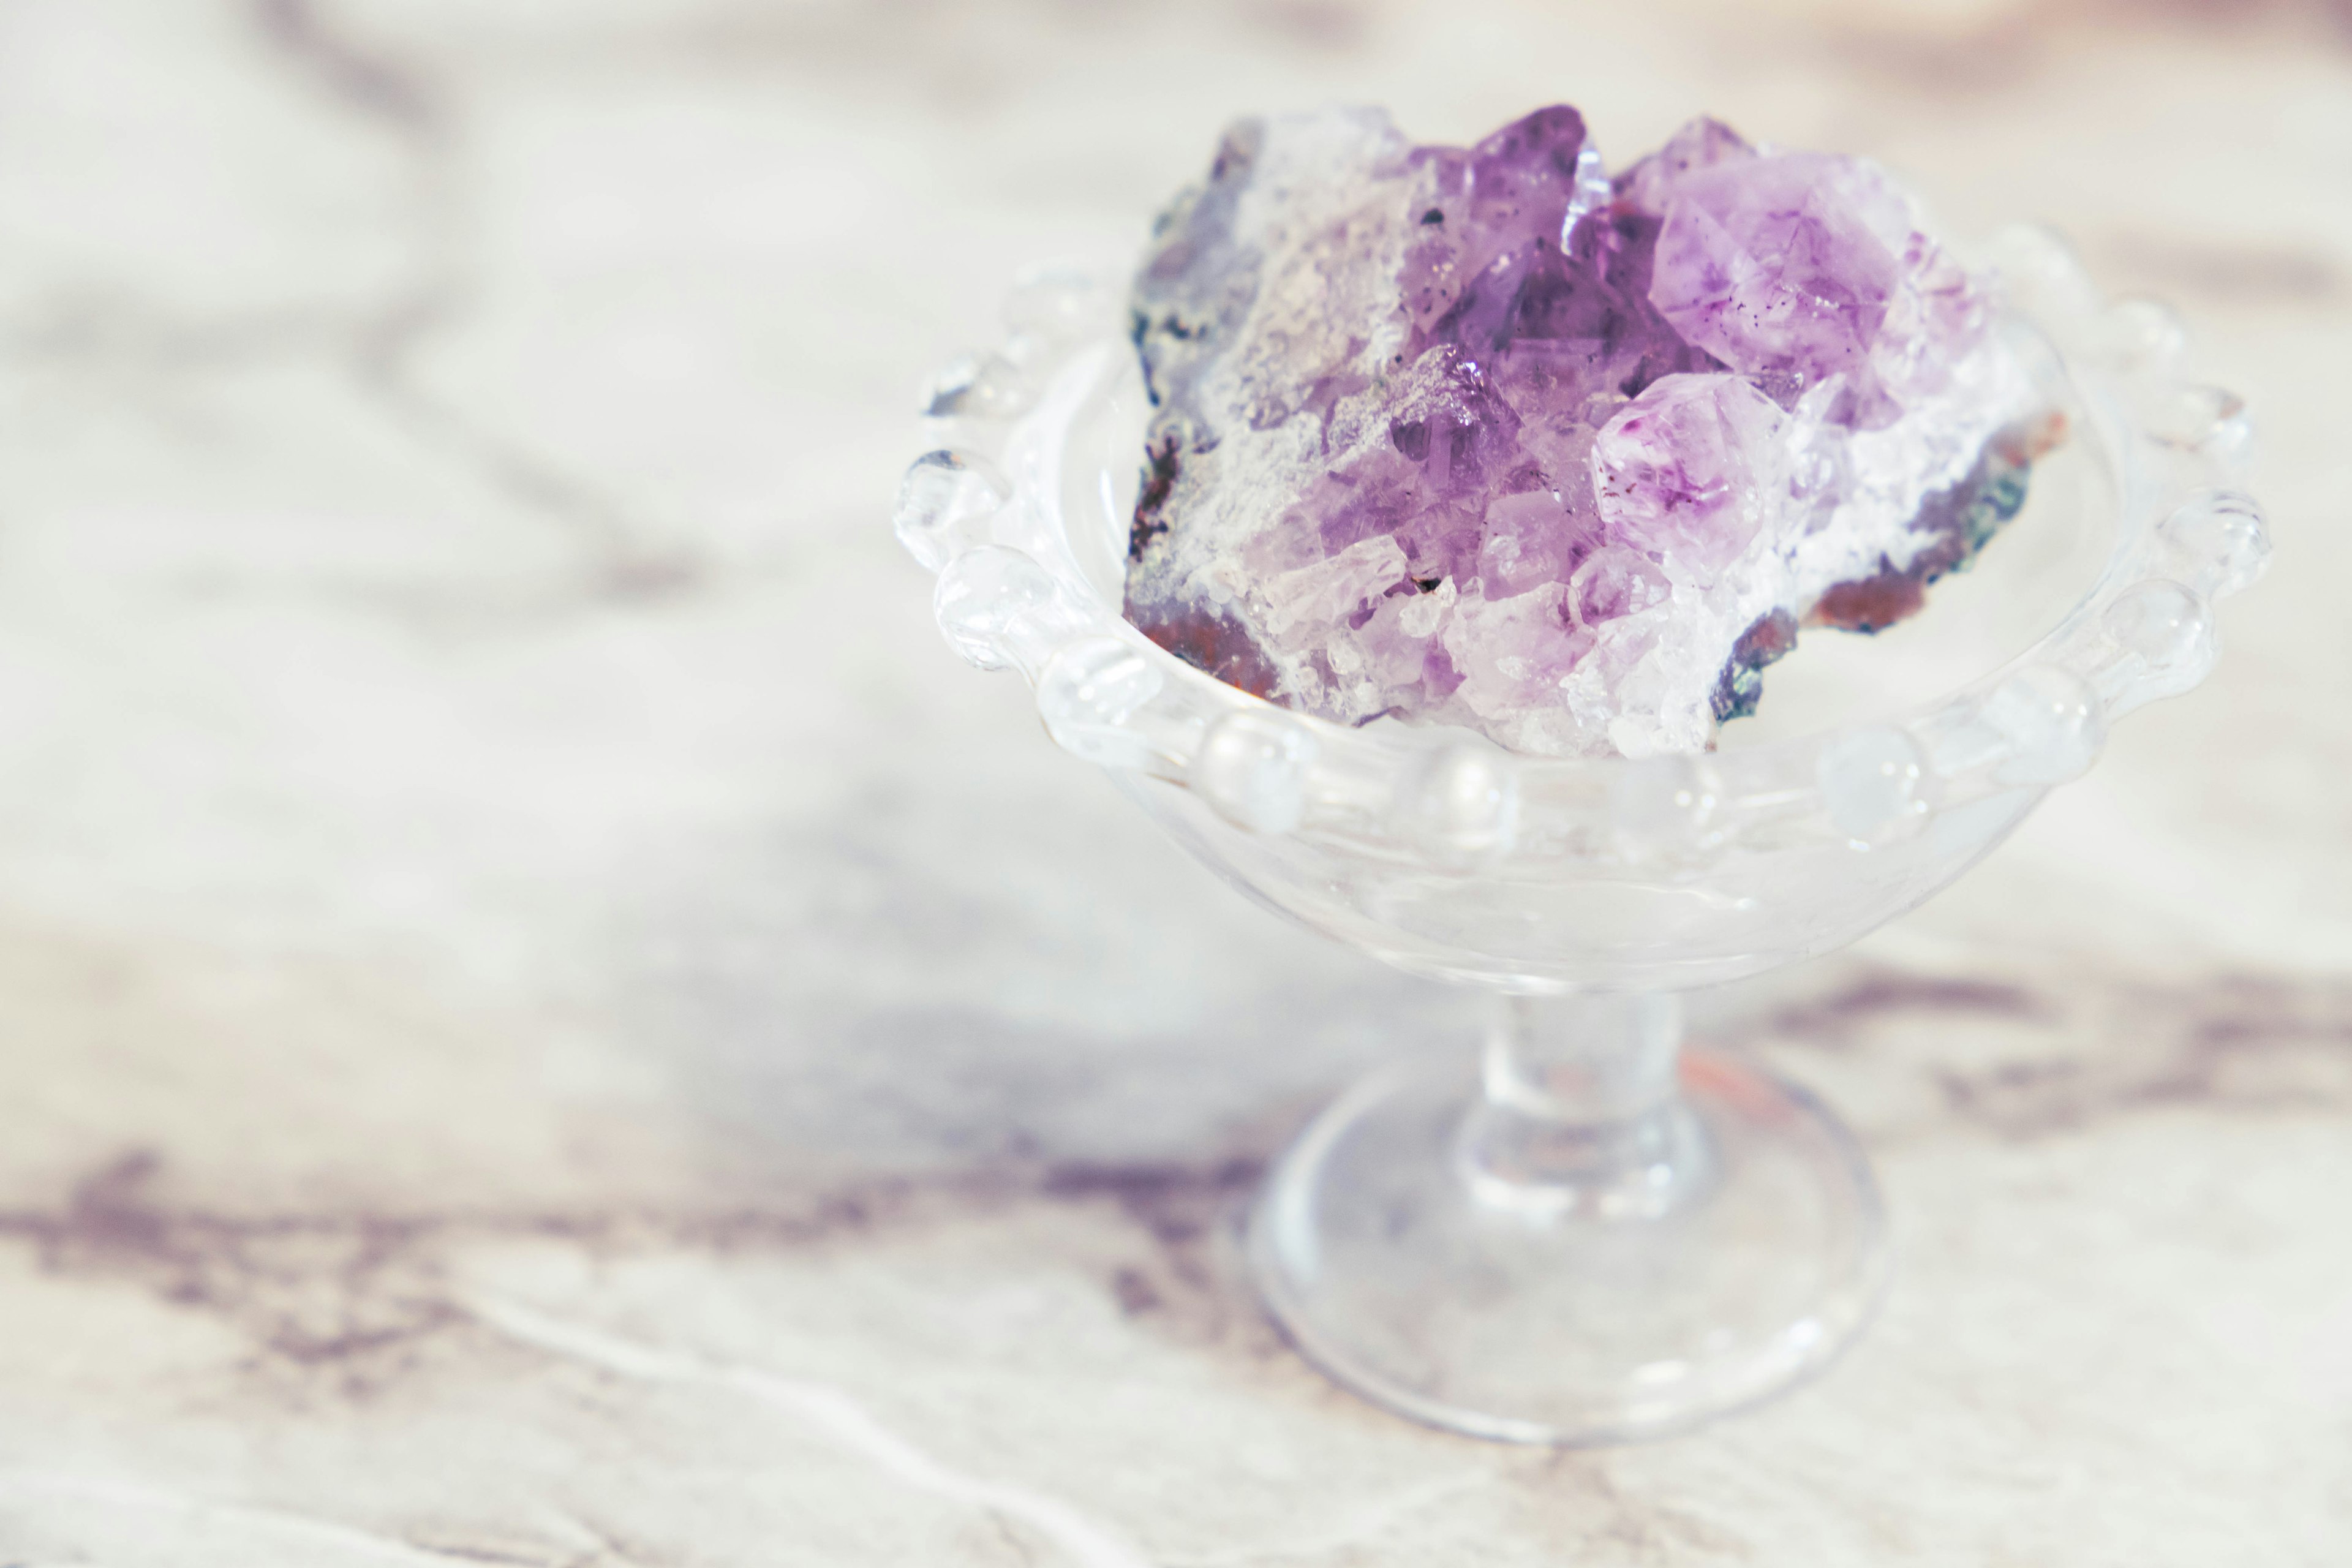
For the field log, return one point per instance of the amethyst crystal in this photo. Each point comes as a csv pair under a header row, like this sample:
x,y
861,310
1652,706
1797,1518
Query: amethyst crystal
x,y
1482,437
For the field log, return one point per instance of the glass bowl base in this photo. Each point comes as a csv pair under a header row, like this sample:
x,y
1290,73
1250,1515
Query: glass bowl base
x,y
1413,1280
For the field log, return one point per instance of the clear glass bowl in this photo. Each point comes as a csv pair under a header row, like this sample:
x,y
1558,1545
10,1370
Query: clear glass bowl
x,y
1586,1234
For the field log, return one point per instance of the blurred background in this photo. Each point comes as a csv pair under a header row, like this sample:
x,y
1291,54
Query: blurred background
x,y
500,876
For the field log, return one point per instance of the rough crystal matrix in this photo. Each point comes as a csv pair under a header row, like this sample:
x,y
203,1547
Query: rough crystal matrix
x,y
1484,437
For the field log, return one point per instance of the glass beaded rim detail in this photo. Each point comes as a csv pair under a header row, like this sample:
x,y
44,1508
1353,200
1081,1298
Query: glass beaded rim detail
x,y
982,509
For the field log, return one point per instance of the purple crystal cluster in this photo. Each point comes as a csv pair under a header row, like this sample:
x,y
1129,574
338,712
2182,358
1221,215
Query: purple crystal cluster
x,y
1485,437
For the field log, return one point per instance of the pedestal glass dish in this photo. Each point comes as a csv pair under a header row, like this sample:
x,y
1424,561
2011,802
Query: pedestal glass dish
x,y
1581,1232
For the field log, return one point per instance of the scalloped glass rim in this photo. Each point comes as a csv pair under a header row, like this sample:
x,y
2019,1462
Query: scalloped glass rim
x,y
1020,587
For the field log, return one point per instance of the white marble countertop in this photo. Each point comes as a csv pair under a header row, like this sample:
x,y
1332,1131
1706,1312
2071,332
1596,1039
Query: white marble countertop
x,y
545,1019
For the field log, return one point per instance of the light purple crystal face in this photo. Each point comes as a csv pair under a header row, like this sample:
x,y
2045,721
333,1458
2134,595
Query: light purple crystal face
x,y
1482,436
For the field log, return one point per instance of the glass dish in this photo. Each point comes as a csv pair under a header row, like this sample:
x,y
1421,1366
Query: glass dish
x,y
1585,1233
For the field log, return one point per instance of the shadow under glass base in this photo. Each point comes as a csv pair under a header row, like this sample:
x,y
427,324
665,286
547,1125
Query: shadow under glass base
x,y
1745,1255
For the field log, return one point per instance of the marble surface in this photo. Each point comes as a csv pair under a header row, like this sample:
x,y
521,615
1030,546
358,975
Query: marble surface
x,y
545,1019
